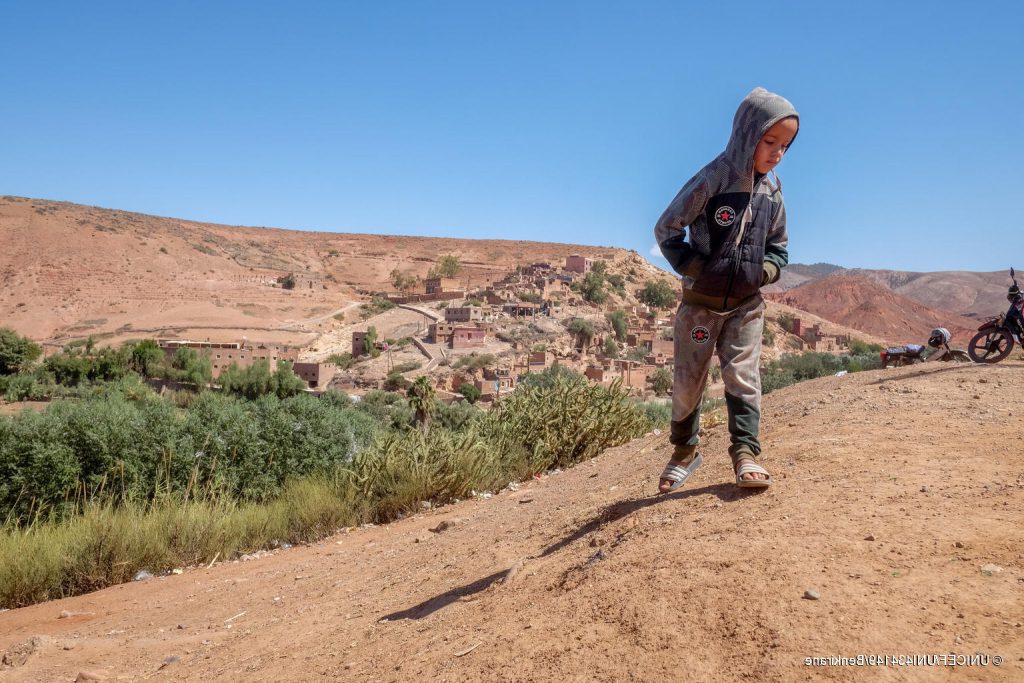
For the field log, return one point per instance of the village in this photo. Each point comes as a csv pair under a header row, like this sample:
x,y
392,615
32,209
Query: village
x,y
478,341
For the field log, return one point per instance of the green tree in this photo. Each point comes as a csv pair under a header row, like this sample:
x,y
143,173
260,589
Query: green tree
x,y
287,281
422,399
619,324
146,358
583,330
192,366
285,382
371,342
16,352
448,266
592,287
657,294
611,349
404,282
471,393
661,381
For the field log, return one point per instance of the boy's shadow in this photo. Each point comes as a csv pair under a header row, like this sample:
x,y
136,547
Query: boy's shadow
x,y
608,514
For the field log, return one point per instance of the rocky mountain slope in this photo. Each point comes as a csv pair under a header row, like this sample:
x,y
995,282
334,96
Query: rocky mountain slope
x,y
863,304
894,527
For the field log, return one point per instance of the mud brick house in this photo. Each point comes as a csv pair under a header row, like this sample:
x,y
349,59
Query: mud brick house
x,y
223,354
437,285
502,379
538,360
440,333
578,264
814,338
358,344
463,314
468,337
315,375
521,309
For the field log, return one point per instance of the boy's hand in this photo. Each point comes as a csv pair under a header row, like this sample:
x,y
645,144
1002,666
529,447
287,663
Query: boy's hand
x,y
771,273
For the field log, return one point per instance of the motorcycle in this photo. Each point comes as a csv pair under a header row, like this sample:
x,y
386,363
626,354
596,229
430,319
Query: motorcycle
x,y
995,338
939,340
910,354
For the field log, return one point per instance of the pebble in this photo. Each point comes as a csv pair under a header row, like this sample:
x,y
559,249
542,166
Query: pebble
x,y
139,576
924,489
991,569
525,500
90,676
811,594
869,537
958,544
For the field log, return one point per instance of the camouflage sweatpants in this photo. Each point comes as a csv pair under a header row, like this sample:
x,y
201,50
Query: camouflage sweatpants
x,y
736,336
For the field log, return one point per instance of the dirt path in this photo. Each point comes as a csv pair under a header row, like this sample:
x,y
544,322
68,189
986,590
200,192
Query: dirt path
x,y
895,491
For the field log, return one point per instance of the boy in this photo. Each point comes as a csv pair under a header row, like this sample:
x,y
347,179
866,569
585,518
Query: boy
x,y
737,244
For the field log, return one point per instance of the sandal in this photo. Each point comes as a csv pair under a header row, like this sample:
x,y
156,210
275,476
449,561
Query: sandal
x,y
748,466
678,473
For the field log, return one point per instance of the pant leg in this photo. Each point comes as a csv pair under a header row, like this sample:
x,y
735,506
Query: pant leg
x,y
739,351
695,331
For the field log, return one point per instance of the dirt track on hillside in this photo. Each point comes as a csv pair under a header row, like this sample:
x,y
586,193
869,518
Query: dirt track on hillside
x,y
585,575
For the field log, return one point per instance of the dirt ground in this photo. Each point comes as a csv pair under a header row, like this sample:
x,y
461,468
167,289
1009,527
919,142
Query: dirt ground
x,y
898,500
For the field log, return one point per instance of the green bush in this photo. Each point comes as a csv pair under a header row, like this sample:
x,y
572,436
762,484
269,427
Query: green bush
x,y
657,294
617,319
470,392
230,476
16,352
792,368
661,381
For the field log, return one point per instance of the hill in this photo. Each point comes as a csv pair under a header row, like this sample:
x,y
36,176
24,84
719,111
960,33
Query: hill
x,y
970,294
911,544
69,271
863,304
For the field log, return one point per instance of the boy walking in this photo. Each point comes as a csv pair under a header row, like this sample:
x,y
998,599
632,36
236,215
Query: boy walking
x,y
737,243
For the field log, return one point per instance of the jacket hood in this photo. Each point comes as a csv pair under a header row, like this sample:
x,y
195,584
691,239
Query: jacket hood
x,y
759,111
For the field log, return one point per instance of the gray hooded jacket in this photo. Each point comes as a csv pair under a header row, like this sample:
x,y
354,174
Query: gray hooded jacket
x,y
737,222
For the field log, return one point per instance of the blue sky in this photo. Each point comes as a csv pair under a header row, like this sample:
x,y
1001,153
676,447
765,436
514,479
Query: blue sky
x,y
554,121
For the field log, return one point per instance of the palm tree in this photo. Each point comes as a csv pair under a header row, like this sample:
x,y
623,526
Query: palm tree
x,y
421,397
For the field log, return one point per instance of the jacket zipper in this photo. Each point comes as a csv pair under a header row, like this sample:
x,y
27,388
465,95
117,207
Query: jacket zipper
x,y
739,239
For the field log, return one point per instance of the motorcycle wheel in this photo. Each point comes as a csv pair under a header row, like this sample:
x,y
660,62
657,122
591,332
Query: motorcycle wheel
x,y
990,346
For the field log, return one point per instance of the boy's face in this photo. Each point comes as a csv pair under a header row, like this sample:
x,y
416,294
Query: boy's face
x,y
773,144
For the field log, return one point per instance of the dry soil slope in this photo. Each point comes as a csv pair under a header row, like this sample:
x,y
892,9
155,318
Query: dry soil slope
x,y
69,270
894,489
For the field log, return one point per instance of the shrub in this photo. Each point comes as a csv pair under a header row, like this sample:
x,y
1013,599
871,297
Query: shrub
x,y
471,393
582,329
16,352
258,380
344,361
592,287
610,349
619,324
661,381
475,362
657,294
287,281
657,413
